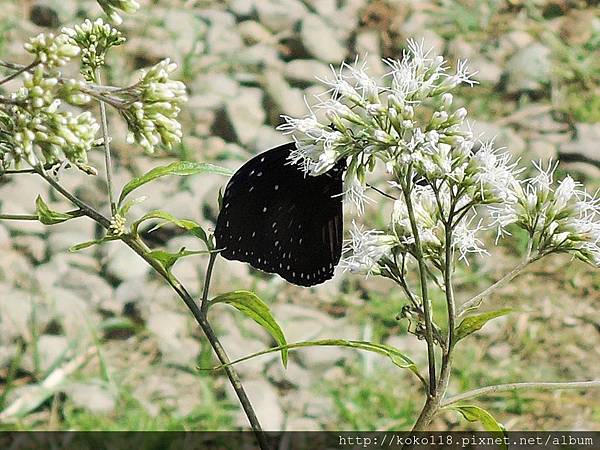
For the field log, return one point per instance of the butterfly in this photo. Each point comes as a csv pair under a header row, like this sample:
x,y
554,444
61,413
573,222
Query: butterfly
x,y
281,220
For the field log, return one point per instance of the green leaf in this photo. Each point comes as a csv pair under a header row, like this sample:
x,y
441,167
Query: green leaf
x,y
252,306
47,216
474,323
397,357
83,245
474,413
168,259
186,224
181,168
123,210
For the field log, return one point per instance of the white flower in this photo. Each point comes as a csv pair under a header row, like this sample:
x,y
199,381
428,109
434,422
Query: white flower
x,y
367,248
50,50
111,8
466,240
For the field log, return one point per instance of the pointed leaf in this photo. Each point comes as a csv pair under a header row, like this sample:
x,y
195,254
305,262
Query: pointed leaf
x,y
252,306
397,357
474,413
186,224
181,168
123,210
472,324
168,259
83,245
47,216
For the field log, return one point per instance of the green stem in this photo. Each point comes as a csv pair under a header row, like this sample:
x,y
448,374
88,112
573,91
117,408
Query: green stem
x,y
19,72
107,155
511,387
424,293
207,278
18,217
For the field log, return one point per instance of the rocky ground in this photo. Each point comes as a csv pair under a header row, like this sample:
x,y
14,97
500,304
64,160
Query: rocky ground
x,y
129,345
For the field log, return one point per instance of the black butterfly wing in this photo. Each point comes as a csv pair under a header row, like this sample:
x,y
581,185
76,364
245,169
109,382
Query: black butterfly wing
x,y
282,221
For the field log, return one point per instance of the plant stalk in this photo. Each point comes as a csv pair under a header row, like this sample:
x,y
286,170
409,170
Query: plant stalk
x,y
424,293
510,387
107,155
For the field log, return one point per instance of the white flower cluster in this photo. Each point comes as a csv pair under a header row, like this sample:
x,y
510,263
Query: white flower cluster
x,y
152,107
94,39
368,119
112,8
367,249
561,218
453,185
40,132
50,50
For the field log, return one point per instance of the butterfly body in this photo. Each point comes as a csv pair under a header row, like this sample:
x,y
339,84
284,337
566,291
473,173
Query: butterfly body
x,y
281,220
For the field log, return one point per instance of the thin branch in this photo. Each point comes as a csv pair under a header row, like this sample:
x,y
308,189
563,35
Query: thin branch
x,y
16,171
18,217
74,213
385,194
511,387
107,156
87,209
207,278
476,301
19,72
424,293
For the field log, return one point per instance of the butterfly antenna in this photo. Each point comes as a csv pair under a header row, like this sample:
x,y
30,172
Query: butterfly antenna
x,y
385,194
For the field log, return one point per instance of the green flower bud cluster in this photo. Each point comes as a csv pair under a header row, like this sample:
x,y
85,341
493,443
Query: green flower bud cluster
x,y
93,39
111,8
152,106
38,132
51,50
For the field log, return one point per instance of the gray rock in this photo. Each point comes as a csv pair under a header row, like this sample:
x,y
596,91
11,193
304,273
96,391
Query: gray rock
x,y
528,69
92,397
63,236
258,55
222,37
265,400
7,353
487,70
241,8
245,114
327,8
69,309
51,349
15,268
541,149
172,336
503,136
368,45
87,284
268,137
585,144
123,263
31,245
306,70
4,237
417,27
319,40
286,100
294,374
280,15
15,313
253,33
